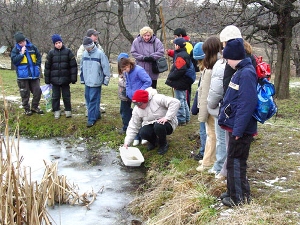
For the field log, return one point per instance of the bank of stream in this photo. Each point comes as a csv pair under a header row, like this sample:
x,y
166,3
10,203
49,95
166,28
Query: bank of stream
x,y
110,179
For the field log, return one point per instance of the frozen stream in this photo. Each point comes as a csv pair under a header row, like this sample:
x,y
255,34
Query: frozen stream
x,y
111,180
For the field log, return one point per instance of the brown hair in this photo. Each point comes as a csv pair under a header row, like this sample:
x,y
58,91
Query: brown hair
x,y
125,62
211,47
248,47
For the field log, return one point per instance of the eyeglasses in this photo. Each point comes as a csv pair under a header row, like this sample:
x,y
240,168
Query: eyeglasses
x,y
138,103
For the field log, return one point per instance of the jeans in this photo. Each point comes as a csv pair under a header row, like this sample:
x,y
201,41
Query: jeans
x,y
183,114
126,112
26,86
202,138
221,153
57,91
223,171
153,131
92,98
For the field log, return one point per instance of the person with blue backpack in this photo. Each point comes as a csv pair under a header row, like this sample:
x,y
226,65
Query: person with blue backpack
x,y
181,76
235,116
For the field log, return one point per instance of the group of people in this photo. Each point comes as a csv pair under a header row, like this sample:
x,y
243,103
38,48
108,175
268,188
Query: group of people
x,y
225,99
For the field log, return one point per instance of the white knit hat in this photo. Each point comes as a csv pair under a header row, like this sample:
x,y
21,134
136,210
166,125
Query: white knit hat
x,y
230,32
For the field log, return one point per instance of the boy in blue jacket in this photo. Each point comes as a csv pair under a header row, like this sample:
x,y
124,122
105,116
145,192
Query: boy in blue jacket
x,y
236,117
95,71
27,60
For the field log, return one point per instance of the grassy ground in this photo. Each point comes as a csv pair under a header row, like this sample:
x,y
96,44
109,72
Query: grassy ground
x,y
174,192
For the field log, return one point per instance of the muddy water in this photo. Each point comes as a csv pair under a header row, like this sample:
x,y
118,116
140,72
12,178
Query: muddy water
x,y
110,179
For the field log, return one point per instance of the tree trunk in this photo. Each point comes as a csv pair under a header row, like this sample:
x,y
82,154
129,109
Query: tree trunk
x,y
282,73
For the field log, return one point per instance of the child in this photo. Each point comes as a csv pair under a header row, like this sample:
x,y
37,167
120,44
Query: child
x,y
236,117
179,80
95,71
60,71
125,105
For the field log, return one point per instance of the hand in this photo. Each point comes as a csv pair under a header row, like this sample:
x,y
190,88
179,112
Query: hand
x,y
162,120
125,146
148,59
23,49
237,138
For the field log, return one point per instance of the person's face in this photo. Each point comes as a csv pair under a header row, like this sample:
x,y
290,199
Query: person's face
x,y
58,44
126,69
176,47
224,44
89,49
141,105
94,37
147,37
22,43
232,63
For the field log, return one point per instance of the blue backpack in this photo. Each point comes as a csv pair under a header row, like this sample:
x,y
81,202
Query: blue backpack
x,y
191,73
266,107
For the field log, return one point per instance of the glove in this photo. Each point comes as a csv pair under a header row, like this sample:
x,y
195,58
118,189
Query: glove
x,y
149,59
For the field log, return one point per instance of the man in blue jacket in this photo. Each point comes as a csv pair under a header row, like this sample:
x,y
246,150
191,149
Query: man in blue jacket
x,y
27,60
236,117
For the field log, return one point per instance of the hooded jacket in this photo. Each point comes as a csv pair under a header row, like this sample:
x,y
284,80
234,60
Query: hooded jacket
x,y
141,49
158,106
60,67
240,101
27,65
95,68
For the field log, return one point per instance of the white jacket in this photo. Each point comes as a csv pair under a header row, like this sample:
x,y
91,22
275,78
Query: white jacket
x,y
216,89
159,106
202,95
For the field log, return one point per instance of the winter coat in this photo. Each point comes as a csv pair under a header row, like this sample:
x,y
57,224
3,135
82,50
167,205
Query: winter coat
x,y
122,88
141,49
215,93
202,95
136,79
27,65
240,101
159,106
95,68
182,65
81,50
60,67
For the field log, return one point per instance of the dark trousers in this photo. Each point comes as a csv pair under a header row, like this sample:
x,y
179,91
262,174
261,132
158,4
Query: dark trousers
x,y
26,86
57,91
126,113
188,96
153,131
154,84
237,183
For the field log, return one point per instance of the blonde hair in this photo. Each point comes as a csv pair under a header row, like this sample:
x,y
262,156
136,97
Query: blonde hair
x,y
145,30
248,47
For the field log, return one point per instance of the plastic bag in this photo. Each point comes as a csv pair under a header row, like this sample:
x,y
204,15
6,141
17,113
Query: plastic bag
x,y
47,94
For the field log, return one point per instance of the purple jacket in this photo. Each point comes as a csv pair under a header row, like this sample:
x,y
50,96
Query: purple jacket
x,y
141,49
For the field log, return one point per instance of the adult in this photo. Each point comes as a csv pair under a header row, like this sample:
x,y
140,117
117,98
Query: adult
x,y
235,116
154,116
27,60
147,48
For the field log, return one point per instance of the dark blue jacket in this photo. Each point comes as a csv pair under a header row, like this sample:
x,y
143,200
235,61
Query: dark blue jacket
x,y
240,101
27,65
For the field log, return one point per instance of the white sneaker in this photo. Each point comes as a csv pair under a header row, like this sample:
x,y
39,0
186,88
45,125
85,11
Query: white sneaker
x,y
200,162
68,114
202,168
86,113
144,142
135,142
57,114
220,177
212,171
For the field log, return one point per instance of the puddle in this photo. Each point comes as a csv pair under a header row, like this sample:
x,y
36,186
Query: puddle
x,y
110,179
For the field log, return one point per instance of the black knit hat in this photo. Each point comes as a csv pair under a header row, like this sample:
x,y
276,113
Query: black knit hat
x,y
19,36
180,42
88,42
234,49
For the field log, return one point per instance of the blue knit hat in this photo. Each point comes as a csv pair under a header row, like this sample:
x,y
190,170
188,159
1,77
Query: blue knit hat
x,y
56,38
180,42
122,56
234,49
198,51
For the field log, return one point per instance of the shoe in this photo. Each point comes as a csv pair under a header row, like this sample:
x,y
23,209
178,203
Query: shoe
x,y
121,131
202,168
151,146
212,171
68,114
219,176
136,142
102,109
88,125
144,141
57,114
181,123
200,162
163,149
224,195
37,110
27,112
198,157
227,201
86,113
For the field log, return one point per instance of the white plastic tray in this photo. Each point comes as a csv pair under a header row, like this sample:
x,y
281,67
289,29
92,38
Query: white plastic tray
x,y
131,156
